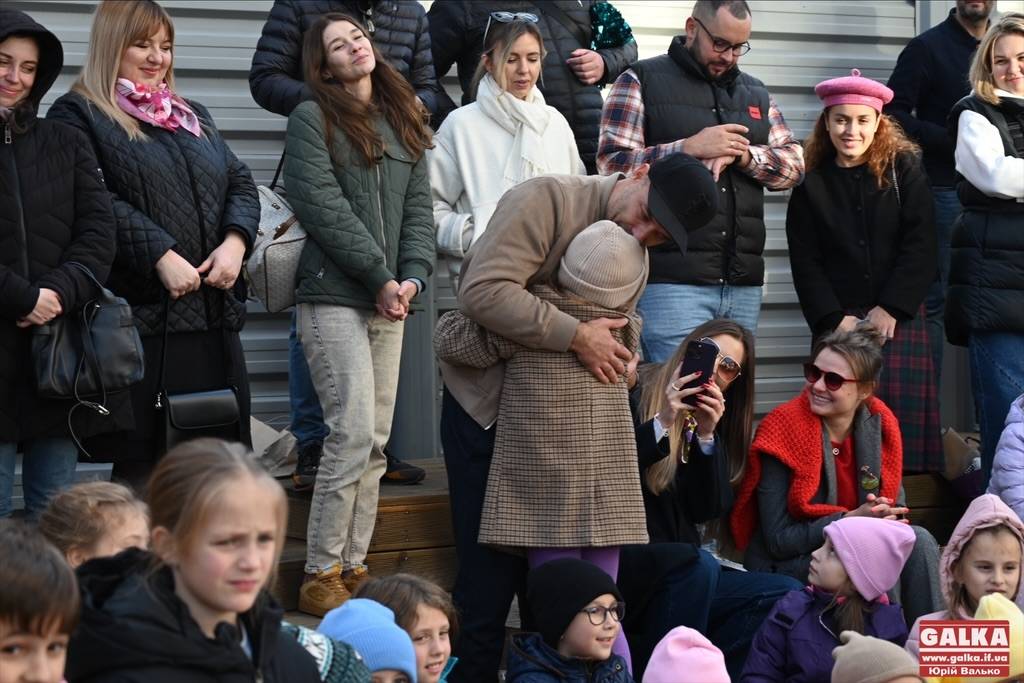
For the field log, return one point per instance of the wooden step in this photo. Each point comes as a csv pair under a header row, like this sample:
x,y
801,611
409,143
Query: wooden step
x,y
413,533
933,504
436,564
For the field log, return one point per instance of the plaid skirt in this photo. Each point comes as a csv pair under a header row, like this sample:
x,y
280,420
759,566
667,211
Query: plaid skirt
x,y
907,386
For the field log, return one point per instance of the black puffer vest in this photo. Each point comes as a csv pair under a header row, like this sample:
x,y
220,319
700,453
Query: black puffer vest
x,y
680,100
986,279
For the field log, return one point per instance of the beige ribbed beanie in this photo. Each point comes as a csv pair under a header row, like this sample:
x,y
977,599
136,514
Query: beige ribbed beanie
x,y
864,659
605,265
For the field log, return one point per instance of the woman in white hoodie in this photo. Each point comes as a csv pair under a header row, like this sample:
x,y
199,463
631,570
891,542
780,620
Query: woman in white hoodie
x,y
507,135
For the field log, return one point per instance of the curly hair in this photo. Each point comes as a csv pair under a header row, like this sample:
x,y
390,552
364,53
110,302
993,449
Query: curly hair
x,y
890,141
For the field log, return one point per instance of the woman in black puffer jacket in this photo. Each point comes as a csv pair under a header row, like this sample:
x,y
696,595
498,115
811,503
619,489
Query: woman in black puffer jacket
x,y
53,210
186,213
572,77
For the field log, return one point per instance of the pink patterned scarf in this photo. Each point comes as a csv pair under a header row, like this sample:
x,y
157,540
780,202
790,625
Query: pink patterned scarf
x,y
159,107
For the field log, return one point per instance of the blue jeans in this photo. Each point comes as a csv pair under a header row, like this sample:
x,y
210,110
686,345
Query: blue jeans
x,y
947,209
670,312
997,378
307,416
726,605
48,466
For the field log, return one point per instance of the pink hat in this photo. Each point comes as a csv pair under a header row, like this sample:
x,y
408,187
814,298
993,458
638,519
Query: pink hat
x,y
853,89
873,551
686,655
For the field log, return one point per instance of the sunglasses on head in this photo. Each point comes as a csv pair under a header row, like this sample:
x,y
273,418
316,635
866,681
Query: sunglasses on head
x,y
833,380
508,17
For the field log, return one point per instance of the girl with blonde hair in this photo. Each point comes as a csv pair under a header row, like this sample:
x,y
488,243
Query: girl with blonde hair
x,y
197,608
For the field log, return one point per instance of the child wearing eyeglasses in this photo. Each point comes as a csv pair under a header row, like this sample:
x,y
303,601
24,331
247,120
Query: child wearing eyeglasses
x,y
564,479
860,560
578,610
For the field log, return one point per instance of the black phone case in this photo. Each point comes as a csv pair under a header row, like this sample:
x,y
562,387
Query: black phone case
x,y
700,355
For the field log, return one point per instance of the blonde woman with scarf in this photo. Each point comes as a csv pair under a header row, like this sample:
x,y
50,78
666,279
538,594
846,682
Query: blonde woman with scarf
x,y
507,135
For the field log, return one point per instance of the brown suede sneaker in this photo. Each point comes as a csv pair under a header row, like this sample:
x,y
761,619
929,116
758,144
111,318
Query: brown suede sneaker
x,y
355,577
323,592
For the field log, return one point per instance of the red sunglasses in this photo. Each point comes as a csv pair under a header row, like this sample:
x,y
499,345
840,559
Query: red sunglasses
x,y
833,380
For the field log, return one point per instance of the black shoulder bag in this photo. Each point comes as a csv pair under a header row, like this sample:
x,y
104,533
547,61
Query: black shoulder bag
x,y
88,352
187,416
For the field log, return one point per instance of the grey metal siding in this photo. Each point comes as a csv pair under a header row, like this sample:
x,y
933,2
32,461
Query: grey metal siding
x,y
795,45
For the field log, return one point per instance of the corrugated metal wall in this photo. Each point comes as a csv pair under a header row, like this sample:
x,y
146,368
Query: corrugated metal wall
x,y
796,43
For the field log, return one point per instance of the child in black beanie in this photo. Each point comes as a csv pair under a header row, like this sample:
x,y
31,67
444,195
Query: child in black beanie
x,y
578,610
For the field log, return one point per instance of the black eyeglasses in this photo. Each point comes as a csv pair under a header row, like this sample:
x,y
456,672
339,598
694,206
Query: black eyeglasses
x,y
509,17
721,45
833,380
599,614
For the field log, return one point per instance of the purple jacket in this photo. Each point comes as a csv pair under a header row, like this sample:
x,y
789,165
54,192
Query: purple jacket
x,y
793,646
1007,480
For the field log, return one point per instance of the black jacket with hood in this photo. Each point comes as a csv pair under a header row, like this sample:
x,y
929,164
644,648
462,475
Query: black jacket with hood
x,y
134,629
54,209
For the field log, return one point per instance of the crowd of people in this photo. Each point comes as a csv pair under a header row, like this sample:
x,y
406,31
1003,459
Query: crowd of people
x,y
599,375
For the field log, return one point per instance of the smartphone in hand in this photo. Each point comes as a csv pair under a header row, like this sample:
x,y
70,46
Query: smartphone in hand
x,y
700,356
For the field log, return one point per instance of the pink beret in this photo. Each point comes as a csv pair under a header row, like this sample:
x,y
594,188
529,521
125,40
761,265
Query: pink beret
x,y
853,89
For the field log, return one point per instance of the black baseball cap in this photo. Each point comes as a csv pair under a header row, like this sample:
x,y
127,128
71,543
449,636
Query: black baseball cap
x,y
683,196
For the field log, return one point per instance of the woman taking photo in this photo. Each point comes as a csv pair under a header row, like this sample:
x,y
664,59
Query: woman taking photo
x,y
985,309
186,211
832,451
53,210
357,178
690,459
506,136
862,245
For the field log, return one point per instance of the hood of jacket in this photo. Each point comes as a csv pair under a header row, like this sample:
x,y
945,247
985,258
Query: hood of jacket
x,y
51,55
132,620
530,657
985,511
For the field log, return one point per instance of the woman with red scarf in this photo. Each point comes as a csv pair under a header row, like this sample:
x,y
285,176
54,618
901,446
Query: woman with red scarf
x,y
833,451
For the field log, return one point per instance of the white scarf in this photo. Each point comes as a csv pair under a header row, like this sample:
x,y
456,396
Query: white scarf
x,y
525,119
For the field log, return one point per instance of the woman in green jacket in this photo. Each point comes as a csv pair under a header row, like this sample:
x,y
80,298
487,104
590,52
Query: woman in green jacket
x,y
357,179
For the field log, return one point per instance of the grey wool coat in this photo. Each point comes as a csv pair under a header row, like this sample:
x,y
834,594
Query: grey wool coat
x,y
564,471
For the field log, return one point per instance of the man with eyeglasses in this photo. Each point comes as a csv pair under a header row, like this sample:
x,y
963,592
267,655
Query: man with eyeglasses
x,y
695,99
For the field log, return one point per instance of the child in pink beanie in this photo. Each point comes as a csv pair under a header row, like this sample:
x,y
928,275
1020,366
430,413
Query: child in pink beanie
x,y
861,559
686,656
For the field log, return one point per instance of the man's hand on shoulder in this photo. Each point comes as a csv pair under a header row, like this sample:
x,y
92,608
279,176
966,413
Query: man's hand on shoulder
x,y
598,350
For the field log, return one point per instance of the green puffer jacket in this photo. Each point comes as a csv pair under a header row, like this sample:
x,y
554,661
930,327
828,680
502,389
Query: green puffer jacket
x,y
367,225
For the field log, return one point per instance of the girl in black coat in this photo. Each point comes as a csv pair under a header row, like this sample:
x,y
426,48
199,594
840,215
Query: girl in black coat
x,y
861,234
197,608
186,213
53,210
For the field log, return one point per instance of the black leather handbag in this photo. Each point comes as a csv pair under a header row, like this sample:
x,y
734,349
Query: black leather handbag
x,y
185,416
87,353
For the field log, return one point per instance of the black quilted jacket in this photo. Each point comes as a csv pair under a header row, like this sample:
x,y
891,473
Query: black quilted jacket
x,y
457,36
53,209
172,191
399,32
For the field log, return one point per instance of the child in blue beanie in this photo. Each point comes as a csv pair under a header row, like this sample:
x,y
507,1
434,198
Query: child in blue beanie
x,y
370,628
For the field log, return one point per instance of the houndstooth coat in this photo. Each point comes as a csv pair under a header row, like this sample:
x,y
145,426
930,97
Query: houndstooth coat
x,y
564,471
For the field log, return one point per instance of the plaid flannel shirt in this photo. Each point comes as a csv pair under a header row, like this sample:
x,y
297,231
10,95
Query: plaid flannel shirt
x,y
779,165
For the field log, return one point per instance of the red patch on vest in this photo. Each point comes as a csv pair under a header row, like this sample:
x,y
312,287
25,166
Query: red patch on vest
x,y
755,113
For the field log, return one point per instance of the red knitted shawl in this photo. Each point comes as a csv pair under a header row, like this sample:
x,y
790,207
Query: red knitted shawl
x,y
792,435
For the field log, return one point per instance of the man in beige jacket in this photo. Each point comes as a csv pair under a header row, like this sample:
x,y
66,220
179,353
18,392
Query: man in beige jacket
x,y
526,238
